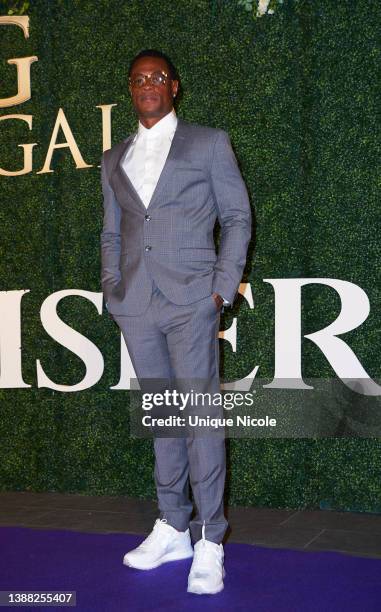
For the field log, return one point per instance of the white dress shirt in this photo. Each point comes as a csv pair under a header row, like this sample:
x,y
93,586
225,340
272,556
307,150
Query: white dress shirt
x,y
147,155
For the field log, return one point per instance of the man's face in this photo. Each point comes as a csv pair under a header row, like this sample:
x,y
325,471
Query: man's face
x,y
152,101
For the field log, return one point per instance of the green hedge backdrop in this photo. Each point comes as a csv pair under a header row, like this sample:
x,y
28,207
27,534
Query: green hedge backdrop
x,y
296,90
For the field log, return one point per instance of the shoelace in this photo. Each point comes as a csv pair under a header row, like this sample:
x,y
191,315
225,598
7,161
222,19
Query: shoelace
x,y
204,554
155,533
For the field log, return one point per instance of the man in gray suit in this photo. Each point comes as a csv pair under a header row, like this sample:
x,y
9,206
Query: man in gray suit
x,y
164,187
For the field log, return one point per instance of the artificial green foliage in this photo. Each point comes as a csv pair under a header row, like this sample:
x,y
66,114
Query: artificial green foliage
x,y
14,7
297,92
259,8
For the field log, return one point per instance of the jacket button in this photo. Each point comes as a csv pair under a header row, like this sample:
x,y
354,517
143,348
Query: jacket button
x,y
148,248
147,217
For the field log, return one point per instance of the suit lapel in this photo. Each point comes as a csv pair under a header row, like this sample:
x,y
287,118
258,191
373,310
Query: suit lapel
x,y
174,154
119,174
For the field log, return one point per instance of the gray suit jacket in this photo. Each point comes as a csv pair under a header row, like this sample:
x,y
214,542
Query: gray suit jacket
x,y
171,241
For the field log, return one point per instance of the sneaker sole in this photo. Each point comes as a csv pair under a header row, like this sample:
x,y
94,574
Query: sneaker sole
x,y
201,591
197,590
166,559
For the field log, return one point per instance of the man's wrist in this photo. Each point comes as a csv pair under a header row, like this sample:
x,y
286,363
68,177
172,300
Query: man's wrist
x,y
220,301
225,302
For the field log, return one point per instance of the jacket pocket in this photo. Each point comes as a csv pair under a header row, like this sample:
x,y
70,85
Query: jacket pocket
x,y
197,254
187,166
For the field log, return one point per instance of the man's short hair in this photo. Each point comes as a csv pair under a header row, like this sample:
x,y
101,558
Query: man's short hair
x,y
155,53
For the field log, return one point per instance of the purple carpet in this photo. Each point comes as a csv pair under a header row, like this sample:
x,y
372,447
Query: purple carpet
x,y
260,579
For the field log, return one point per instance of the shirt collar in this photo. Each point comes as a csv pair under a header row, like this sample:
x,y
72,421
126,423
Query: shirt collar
x,y
165,127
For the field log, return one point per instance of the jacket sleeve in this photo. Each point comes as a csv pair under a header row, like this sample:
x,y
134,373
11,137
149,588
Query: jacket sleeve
x,y
234,215
110,236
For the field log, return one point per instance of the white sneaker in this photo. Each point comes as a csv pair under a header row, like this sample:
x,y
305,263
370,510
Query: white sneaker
x,y
163,544
207,571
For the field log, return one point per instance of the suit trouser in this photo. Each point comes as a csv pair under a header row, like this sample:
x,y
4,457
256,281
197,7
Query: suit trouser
x,y
170,341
